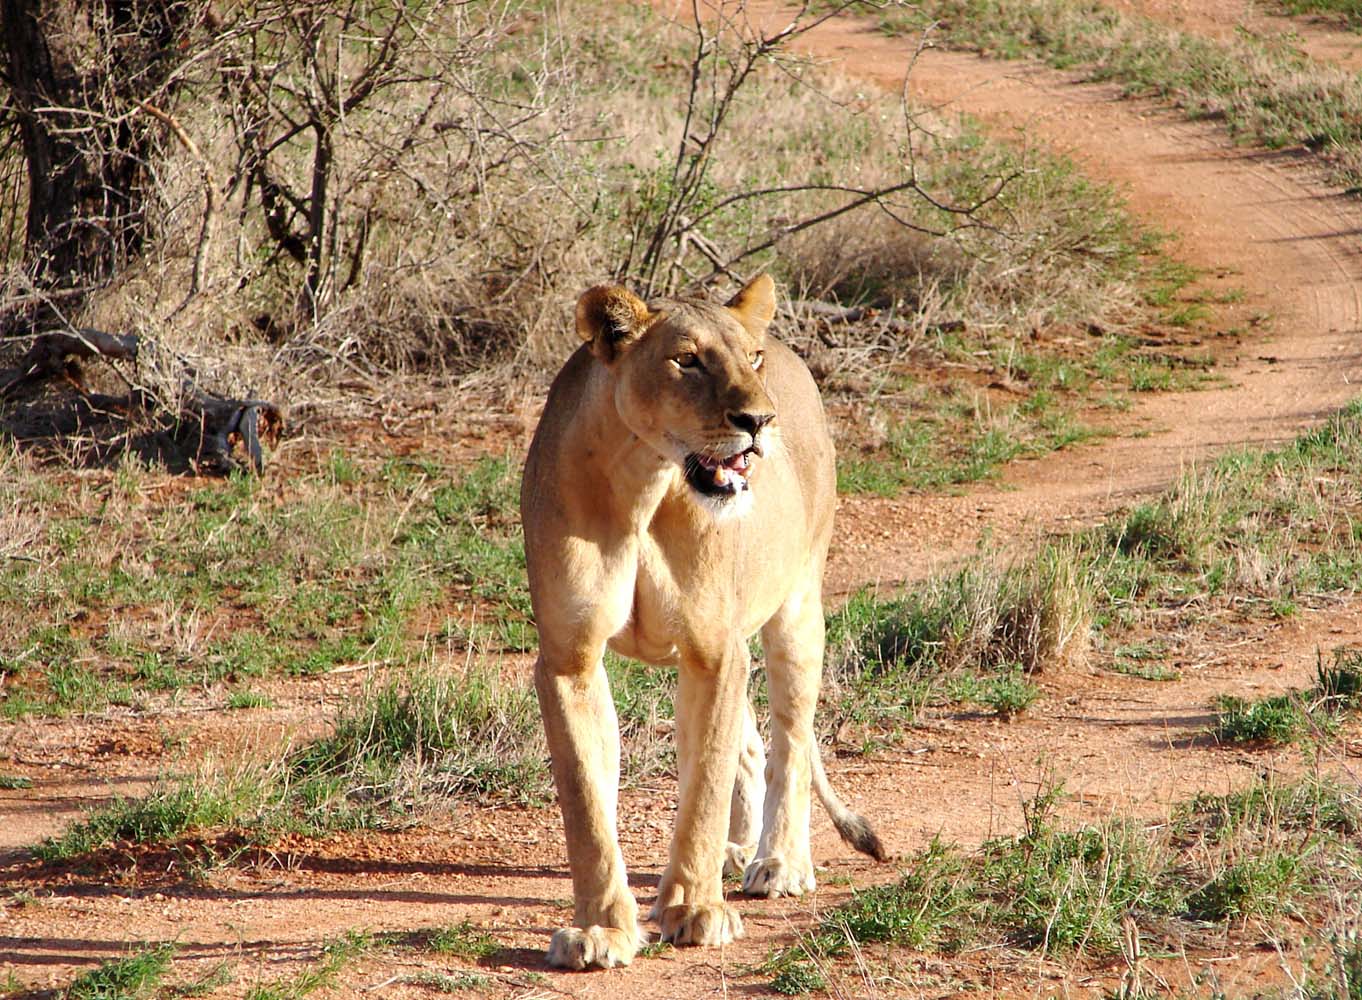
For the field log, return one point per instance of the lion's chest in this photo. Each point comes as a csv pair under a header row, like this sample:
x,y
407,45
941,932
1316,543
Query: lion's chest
x,y
692,592
660,624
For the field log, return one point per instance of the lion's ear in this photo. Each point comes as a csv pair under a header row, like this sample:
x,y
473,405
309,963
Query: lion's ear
x,y
610,318
755,305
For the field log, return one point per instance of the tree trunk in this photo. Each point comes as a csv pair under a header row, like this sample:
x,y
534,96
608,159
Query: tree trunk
x,y
76,71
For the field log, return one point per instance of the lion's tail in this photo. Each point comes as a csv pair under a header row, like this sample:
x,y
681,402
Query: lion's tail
x,y
854,829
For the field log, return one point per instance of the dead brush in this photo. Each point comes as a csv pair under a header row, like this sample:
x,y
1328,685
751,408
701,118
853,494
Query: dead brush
x,y
1036,615
874,261
894,287
453,213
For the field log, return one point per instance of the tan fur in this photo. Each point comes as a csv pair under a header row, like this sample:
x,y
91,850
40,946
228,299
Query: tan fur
x,y
622,551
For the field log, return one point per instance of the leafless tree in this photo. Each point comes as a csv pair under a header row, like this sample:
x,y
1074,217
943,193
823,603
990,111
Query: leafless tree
x,y
332,98
730,46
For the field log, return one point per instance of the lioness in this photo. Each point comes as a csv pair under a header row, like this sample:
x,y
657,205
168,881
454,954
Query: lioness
x,y
677,498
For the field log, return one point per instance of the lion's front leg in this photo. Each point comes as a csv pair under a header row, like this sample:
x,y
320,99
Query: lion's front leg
x,y
583,739
709,718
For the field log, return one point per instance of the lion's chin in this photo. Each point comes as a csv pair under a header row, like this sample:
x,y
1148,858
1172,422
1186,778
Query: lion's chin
x,y
719,478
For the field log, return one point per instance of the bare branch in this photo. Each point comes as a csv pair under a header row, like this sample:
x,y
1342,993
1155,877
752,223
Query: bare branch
x,y
869,197
729,48
210,200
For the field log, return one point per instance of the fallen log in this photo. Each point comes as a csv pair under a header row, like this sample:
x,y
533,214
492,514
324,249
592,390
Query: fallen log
x,y
212,425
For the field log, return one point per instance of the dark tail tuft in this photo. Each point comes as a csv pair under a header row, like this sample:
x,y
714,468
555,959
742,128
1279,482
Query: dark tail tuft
x,y
857,832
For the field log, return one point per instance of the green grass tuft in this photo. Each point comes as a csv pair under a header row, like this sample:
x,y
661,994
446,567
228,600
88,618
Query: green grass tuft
x,y
129,978
245,698
797,977
1288,717
443,982
1279,719
462,940
917,911
469,733
400,748
1007,693
886,658
1055,891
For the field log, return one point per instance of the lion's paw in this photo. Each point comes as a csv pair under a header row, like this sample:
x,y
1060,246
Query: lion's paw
x,y
592,947
774,876
712,924
736,857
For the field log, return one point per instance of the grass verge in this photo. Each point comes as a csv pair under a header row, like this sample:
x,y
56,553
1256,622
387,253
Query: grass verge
x,y
1282,854
1263,531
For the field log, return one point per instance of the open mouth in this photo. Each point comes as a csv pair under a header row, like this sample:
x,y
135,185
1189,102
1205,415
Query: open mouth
x,y
719,477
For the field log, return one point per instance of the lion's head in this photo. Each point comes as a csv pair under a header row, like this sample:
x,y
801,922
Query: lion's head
x,y
688,377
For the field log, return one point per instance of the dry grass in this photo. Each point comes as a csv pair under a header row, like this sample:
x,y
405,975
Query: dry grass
x,y
476,248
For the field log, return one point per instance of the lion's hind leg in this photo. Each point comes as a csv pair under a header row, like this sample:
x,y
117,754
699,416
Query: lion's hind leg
x,y
793,641
749,794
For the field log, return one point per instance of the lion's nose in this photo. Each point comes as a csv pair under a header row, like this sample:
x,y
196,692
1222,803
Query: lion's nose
x,y
750,422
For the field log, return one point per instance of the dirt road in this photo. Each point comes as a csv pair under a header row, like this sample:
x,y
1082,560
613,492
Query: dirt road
x,y
1261,222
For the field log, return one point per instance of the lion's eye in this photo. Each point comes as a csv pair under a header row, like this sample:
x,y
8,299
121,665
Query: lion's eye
x,y
687,360
757,359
